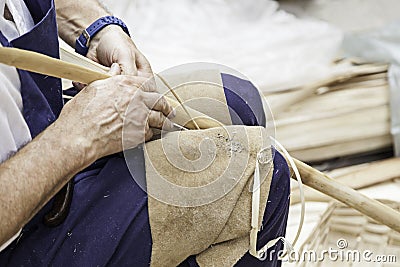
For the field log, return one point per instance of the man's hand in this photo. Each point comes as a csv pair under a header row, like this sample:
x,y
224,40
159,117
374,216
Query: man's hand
x,y
95,123
113,45
108,109
110,45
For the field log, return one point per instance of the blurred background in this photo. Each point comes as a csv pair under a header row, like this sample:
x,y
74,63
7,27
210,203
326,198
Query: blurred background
x,y
329,70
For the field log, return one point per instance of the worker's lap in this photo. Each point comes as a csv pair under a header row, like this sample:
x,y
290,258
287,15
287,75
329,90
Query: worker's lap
x,y
108,221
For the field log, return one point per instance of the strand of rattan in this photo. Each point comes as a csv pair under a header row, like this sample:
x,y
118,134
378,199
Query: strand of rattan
x,y
179,100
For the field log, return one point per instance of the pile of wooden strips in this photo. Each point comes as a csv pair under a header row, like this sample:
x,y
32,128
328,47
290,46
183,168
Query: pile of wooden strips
x,y
345,229
345,114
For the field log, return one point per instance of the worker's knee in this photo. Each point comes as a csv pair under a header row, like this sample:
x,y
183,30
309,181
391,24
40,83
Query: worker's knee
x,y
244,101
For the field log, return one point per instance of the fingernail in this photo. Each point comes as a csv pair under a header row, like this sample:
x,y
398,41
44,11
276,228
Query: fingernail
x,y
115,67
78,85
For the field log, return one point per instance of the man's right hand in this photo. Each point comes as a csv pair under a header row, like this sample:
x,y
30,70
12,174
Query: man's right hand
x,y
108,110
89,127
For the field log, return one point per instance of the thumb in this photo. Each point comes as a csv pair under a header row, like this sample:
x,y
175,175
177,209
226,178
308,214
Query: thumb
x,y
143,66
127,63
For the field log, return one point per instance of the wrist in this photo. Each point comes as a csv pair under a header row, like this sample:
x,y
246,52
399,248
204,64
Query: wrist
x,y
99,27
111,28
75,150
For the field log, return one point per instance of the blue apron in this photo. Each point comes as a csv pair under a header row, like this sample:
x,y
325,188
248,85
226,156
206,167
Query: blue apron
x,y
108,221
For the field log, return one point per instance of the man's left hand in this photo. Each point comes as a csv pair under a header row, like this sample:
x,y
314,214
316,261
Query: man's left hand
x,y
113,45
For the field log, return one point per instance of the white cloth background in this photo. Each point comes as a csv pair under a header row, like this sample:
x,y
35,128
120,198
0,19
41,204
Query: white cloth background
x,y
273,48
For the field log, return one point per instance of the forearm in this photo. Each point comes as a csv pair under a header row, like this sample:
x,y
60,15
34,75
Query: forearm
x,y
34,175
73,16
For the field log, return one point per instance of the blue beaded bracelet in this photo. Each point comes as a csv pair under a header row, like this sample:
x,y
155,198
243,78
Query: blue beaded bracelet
x,y
82,43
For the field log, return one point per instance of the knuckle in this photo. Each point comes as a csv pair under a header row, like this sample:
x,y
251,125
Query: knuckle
x,y
96,84
167,109
117,78
161,119
127,80
139,95
161,103
146,127
150,117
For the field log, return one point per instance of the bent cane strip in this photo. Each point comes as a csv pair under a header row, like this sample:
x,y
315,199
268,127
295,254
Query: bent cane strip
x,y
179,100
49,66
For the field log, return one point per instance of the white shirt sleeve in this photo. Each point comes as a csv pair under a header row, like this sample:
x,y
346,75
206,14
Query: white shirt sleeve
x,y
14,131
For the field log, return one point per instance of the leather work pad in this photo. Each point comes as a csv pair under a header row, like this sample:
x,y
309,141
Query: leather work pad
x,y
199,186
